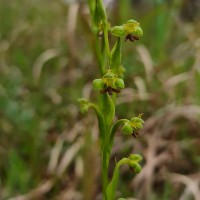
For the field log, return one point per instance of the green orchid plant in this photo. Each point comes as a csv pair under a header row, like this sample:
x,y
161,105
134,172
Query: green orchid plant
x,y
110,83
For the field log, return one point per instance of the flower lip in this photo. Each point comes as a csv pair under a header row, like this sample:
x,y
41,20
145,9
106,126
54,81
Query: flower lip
x,y
131,38
135,134
110,90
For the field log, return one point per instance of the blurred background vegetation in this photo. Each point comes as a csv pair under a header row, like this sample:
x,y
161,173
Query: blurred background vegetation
x,y
48,150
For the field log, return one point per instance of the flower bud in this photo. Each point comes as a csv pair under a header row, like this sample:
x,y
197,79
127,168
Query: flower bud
x,y
84,105
98,84
136,167
118,31
119,83
127,129
135,157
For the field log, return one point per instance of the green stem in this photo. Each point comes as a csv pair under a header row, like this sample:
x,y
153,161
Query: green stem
x,y
102,126
114,130
105,162
110,140
111,189
108,143
104,146
104,172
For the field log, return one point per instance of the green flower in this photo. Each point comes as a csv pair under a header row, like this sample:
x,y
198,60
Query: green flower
x,y
134,162
131,127
131,30
136,123
133,27
108,83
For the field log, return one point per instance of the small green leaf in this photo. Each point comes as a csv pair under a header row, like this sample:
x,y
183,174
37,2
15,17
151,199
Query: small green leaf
x,y
116,55
94,14
101,11
98,84
108,108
